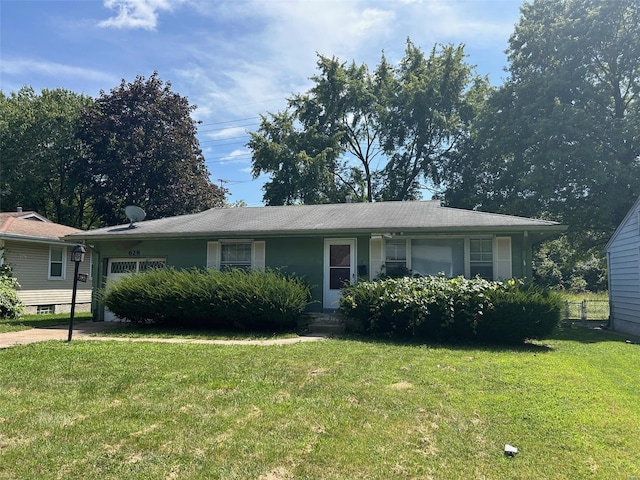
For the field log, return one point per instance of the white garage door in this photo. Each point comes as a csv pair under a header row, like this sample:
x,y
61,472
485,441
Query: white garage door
x,y
121,267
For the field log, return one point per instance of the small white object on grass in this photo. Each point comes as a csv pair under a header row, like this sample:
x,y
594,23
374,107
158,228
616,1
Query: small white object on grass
x,y
510,450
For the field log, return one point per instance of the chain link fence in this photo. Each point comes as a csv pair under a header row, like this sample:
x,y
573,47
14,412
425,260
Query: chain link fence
x,y
587,311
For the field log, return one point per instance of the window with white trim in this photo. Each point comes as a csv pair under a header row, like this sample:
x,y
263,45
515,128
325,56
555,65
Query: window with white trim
x,y
228,254
481,257
395,260
57,257
235,255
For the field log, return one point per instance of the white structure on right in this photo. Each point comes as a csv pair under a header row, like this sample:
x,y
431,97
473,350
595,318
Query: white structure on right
x,y
623,264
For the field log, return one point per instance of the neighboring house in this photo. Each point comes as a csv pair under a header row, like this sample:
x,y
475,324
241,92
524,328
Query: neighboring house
x,y
623,264
32,245
325,244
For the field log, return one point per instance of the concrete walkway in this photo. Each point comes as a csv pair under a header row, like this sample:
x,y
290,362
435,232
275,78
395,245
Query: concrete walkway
x,y
92,330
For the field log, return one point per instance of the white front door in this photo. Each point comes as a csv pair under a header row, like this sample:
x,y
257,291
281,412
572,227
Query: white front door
x,y
339,268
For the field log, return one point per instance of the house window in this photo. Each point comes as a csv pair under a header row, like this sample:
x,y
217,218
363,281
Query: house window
x,y
123,266
438,256
481,257
57,263
395,257
150,264
45,309
235,255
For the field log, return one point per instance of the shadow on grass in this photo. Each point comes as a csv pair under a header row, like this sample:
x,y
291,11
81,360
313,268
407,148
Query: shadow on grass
x,y
152,330
41,321
564,333
579,333
537,347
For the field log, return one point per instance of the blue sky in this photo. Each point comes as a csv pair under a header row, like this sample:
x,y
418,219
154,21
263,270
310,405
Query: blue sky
x,y
234,59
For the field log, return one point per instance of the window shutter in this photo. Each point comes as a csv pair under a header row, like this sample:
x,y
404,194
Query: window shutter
x,y
376,257
213,255
503,258
258,261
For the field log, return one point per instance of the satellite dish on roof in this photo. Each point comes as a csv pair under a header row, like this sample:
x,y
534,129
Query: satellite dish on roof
x,y
134,214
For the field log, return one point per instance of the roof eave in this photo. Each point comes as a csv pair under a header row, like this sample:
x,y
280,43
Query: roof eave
x,y
546,230
32,239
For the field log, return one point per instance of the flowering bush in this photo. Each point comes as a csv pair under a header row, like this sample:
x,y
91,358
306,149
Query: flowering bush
x,y
439,307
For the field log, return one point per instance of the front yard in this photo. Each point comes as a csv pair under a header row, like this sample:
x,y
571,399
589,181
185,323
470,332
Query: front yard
x,y
338,409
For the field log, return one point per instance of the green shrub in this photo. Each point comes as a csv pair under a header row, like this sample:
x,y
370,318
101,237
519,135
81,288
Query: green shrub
x,y
438,307
209,298
10,304
528,312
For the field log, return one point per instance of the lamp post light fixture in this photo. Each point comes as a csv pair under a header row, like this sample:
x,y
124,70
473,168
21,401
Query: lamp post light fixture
x,y
77,256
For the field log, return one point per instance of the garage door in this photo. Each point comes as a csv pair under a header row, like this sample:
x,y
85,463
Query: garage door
x,y
121,267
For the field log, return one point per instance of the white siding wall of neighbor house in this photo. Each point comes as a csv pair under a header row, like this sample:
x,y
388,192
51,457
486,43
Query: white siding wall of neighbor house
x,y
623,254
30,266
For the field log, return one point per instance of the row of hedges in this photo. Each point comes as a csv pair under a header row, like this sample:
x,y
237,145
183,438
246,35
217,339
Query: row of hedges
x,y
209,298
457,308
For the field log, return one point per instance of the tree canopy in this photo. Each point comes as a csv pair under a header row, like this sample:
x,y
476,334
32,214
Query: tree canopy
x,y
41,155
371,136
561,138
80,161
141,149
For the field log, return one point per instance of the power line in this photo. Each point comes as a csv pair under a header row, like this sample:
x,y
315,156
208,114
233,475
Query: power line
x,y
223,129
229,121
224,144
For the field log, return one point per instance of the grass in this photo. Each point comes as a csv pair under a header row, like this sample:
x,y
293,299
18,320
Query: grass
x,y
597,305
34,321
338,409
591,296
150,330
134,330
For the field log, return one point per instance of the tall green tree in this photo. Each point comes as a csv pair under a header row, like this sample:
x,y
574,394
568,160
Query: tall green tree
x,y
561,138
142,149
371,136
41,162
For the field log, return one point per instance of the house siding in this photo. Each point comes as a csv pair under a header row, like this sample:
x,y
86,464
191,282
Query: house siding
x,y
302,256
623,258
30,266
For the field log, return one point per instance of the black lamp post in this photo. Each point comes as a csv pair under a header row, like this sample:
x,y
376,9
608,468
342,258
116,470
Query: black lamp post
x,y
77,256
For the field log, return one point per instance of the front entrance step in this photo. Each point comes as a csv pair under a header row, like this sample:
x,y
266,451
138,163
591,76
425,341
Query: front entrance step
x,y
325,323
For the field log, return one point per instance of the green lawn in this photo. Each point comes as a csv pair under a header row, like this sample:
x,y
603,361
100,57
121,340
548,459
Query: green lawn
x,y
338,409
34,321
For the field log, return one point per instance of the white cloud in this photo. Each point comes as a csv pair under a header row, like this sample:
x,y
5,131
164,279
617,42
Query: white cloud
x,y
237,156
258,53
226,133
26,67
136,13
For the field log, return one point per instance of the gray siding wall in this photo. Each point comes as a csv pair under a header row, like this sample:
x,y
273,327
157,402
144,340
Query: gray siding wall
x,y
624,275
30,265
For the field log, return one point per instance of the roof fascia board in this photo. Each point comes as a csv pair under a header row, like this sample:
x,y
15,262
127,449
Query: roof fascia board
x,y
635,206
546,229
26,238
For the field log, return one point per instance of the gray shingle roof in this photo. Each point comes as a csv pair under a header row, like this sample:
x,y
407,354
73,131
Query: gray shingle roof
x,y
347,218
